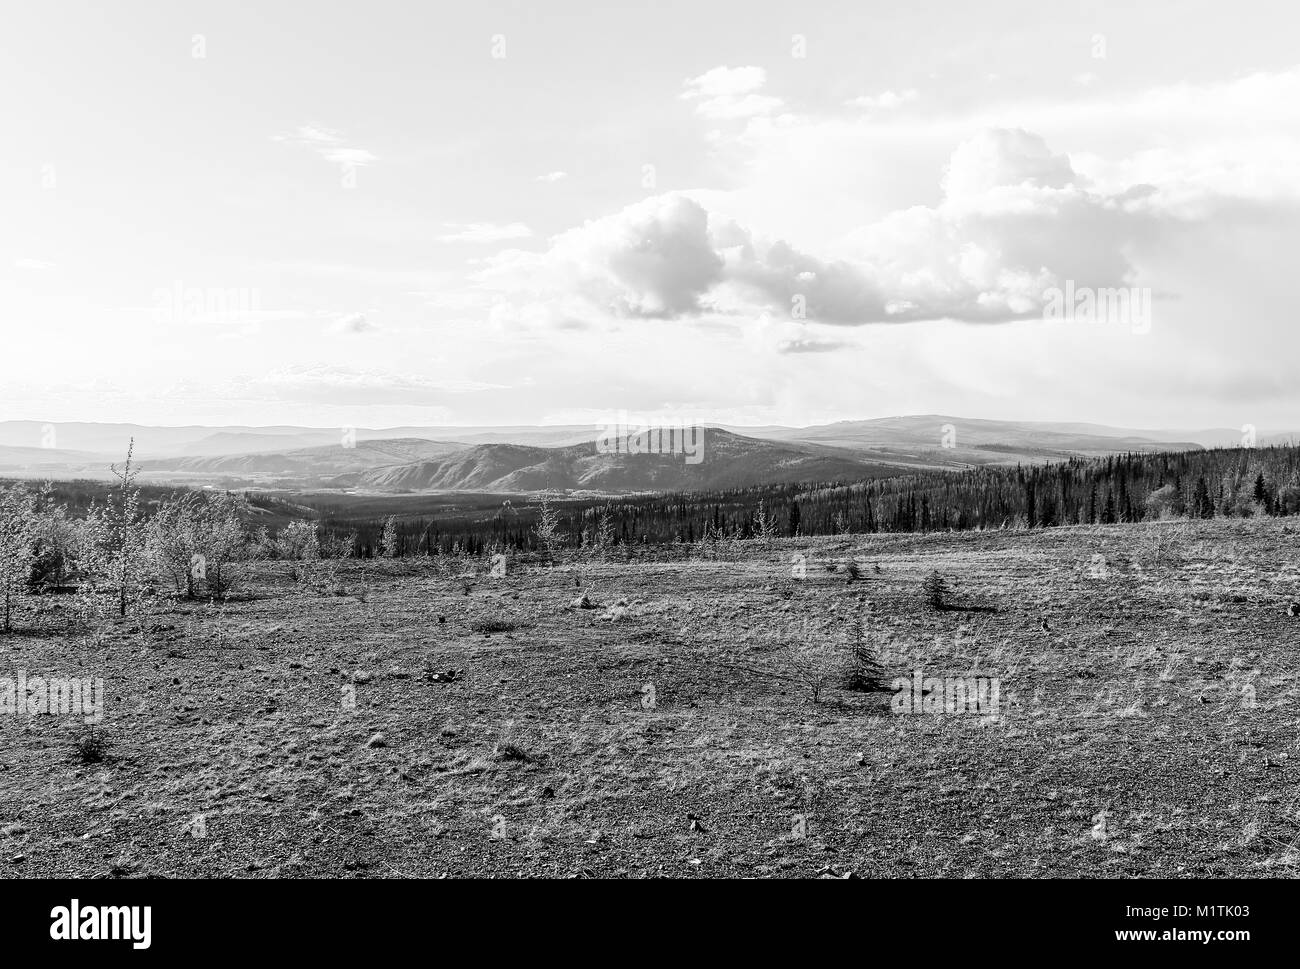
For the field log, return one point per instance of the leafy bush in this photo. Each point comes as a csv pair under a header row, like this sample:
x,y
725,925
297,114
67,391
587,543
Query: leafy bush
x,y
200,544
298,541
1165,502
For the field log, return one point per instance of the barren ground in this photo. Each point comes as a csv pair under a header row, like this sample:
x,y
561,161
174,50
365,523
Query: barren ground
x,y
1149,730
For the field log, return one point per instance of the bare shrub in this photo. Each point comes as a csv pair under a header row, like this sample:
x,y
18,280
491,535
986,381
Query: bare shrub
x,y
1163,547
492,625
389,543
298,541
115,553
815,666
602,538
92,747
224,544
764,525
58,537
334,546
18,536
709,543
735,545
173,541
547,529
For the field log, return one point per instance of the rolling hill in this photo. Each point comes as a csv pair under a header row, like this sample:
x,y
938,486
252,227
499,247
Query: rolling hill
x,y
15,458
730,461
321,461
984,441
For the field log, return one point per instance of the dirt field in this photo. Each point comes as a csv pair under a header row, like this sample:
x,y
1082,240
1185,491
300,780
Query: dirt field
x,y
1146,721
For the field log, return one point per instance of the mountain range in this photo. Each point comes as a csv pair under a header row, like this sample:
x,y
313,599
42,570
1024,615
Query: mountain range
x,y
523,458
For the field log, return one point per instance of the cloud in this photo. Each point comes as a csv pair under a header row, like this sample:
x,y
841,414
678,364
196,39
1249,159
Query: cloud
x,y
1000,215
552,177
809,345
349,156
354,323
422,279
774,275
886,100
323,384
666,258
726,93
485,232
458,300
1014,220
329,144
1201,146
999,158
314,135
654,259
33,265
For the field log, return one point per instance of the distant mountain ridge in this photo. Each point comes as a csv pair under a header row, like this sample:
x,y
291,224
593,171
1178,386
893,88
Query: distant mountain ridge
x,y
566,457
976,441
728,461
321,460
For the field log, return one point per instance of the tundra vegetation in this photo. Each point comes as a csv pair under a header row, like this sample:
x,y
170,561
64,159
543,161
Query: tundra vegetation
x,y
589,703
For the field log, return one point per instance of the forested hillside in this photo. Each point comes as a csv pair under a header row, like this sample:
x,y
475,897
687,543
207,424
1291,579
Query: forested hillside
x,y
1237,482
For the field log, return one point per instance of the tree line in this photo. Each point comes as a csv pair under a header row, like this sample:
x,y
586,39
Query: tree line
x,y
1218,483
117,545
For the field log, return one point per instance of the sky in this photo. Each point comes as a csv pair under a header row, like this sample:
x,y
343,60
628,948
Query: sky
x,y
521,213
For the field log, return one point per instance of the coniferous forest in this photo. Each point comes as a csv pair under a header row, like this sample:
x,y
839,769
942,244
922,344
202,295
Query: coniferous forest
x,y
1238,482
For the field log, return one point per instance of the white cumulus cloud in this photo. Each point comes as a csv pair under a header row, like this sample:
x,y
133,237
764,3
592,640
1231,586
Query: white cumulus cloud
x,y
726,93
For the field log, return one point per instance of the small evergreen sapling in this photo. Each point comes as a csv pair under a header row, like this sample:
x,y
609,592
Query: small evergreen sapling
x,y
935,588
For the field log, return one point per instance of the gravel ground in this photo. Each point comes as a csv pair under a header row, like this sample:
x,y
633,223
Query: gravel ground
x,y
1146,721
